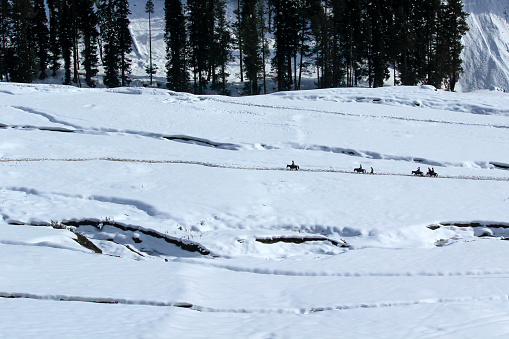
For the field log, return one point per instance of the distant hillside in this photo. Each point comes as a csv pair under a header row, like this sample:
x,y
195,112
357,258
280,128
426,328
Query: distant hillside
x,y
486,53
485,57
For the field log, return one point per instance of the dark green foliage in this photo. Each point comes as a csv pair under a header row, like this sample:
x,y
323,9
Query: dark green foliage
x,y
177,75
321,26
40,36
350,42
220,50
66,34
453,27
201,23
151,70
114,23
54,35
286,40
251,45
6,26
24,64
125,40
88,26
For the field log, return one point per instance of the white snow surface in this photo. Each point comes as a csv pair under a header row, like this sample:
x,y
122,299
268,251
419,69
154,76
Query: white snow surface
x,y
204,232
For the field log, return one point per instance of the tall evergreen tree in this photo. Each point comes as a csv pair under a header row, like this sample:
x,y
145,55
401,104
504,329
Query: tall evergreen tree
x,y
408,42
376,55
114,23
321,28
6,26
285,40
251,45
220,48
177,75
111,60
124,40
453,27
66,37
24,66
151,70
427,23
237,26
40,36
264,27
54,35
200,37
88,26
306,10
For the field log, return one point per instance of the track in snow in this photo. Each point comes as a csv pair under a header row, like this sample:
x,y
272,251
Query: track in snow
x,y
371,116
232,146
271,310
237,167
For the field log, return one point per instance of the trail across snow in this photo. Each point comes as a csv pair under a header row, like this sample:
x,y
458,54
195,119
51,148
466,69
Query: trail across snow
x,y
238,167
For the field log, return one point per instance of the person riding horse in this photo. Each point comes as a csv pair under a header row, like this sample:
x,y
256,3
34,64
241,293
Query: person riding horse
x,y
431,172
293,166
418,172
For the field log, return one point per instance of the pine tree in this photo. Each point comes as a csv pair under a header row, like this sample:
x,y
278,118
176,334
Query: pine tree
x,y
285,40
124,40
6,26
376,55
321,28
40,36
263,27
24,66
177,75
342,28
220,48
306,10
408,41
151,70
114,23
65,36
453,27
237,40
427,23
54,36
88,26
200,37
111,62
251,45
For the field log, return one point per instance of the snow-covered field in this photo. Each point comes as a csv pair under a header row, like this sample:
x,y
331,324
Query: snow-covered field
x,y
145,213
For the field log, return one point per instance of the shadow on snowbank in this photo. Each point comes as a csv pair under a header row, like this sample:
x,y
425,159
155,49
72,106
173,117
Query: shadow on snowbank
x,y
91,233
478,229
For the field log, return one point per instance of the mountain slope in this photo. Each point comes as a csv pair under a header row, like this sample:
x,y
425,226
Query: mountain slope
x,y
486,53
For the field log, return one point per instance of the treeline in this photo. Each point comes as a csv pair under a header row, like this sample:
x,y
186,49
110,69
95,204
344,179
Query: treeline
x,y
343,42
37,38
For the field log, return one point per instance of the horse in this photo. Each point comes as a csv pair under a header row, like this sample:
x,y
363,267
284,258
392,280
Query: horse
x,y
359,170
292,166
432,173
418,172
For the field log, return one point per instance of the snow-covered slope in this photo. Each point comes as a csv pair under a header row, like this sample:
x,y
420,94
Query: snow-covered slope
x,y
143,213
486,53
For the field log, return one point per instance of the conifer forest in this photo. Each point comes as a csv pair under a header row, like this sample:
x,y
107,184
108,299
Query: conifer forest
x,y
344,42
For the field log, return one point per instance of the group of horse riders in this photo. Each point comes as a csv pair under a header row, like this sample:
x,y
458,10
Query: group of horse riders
x,y
431,171
362,170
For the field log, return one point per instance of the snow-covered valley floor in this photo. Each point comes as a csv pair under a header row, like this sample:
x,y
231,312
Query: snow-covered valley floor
x,y
146,213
